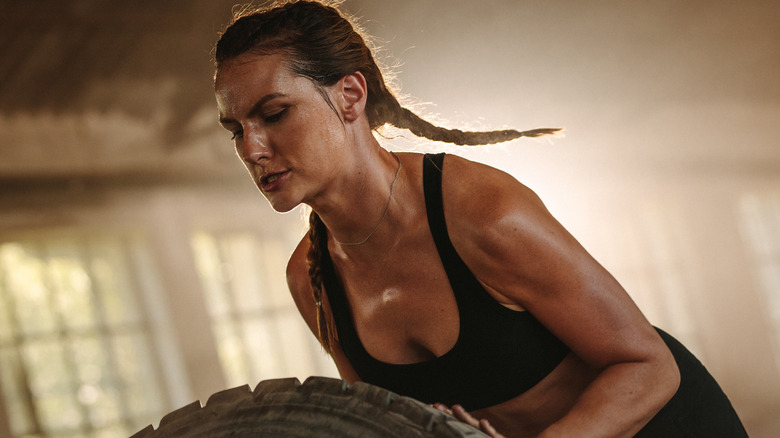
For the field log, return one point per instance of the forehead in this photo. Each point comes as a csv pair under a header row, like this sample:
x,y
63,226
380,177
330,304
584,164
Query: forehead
x,y
243,80
249,64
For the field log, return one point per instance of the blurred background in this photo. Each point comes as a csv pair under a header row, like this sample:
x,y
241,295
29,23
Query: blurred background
x,y
140,270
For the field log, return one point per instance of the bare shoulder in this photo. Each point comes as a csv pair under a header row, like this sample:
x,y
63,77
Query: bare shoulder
x,y
481,201
502,229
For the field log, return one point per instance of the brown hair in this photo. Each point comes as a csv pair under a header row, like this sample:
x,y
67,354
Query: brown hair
x,y
323,45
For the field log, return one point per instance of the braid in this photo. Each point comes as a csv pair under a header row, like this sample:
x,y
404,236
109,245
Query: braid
x,y
404,118
387,109
318,237
383,107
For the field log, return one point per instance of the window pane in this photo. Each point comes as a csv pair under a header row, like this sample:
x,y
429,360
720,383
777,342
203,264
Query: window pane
x,y
241,256
26,288
136,375
76,354
258,330
113,283
17,407
72,291
214,274
58,412
7,329
47,367
230,345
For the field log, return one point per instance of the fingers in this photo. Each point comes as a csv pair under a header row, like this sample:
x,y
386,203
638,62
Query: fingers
x,y
483,425
442,408
488,428
462,415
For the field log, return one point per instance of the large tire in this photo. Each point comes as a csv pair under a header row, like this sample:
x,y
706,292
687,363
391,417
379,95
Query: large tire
x,y
320,407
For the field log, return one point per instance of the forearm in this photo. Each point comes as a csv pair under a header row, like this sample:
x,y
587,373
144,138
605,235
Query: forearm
x,y
619,402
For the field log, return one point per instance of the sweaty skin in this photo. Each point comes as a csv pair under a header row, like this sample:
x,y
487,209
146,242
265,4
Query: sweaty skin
x,y
300,149
422,321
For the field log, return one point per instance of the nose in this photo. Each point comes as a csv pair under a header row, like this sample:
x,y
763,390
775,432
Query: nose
x,y
255,148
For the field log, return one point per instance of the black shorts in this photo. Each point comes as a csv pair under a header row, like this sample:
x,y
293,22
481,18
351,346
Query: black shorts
x,y
700,408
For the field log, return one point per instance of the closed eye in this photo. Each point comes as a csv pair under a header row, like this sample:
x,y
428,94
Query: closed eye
x,y
273,118
237,135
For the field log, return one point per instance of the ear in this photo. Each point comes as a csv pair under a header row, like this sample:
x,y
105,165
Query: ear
x,y
353,94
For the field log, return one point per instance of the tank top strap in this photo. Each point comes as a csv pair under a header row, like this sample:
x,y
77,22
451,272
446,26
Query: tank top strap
x,y
433,166
464,284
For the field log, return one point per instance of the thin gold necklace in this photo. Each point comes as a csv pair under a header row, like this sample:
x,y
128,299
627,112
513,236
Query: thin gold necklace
x,y
387,208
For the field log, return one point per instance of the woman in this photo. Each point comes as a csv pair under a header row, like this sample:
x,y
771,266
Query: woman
x,y
434,276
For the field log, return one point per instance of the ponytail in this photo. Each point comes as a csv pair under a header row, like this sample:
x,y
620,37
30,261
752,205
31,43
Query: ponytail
x,y
404,118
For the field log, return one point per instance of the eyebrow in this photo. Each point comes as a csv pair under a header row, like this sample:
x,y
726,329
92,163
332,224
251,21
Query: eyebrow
x,y
256,107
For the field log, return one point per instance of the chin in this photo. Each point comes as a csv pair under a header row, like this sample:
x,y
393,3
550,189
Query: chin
x,y
284,209
281,205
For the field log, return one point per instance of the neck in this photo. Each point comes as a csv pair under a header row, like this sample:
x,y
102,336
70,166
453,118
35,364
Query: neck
x,y
384,213
358,215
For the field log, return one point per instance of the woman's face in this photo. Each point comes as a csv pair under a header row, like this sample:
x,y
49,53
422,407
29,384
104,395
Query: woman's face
x,y
285,132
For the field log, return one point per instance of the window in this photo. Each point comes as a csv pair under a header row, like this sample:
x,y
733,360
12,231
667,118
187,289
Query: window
x,y
259,332
78,349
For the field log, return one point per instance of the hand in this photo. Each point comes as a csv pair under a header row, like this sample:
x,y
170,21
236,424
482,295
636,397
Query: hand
x,y
461,414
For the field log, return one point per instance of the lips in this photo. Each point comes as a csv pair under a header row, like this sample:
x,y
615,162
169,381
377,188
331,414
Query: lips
x,y
273,181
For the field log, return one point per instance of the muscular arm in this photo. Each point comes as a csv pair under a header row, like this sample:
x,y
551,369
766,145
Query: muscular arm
x,y
518,250
301,291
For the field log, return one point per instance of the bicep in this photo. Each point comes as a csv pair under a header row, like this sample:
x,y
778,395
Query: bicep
x,y
569,292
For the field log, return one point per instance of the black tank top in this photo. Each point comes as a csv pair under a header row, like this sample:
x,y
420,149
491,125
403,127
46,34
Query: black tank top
x,y
500,353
